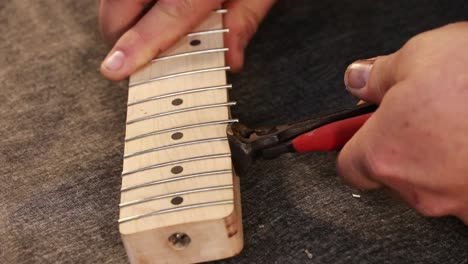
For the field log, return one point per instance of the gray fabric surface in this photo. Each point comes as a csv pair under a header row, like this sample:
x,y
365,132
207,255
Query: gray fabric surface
x,y
62,129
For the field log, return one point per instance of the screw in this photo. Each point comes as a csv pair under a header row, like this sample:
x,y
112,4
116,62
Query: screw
x,y
179,240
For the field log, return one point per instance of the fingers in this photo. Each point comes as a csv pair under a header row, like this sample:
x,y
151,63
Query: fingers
x,y
463,215
353,163
243,19
370,79
367,159
156,31
117,16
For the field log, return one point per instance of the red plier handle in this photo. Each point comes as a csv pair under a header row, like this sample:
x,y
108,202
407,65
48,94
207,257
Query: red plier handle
x,y
332,136
322,133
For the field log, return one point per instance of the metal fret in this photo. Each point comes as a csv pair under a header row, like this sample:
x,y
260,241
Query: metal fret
x,y
221,11
199,190
183,144
188,109
196,90
176,209
181,128
215,156
180,74
190,54
213,31
177,157
189,176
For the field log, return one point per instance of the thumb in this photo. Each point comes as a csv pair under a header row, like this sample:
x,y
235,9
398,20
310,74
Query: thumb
x,y
370,79
165,23
355,161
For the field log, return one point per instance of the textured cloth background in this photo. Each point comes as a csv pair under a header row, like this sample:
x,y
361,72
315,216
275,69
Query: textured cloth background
x,y
62,130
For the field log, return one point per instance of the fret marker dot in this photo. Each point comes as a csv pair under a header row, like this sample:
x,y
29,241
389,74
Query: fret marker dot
x,y
177,169
195,42
177,102
177,200
177,136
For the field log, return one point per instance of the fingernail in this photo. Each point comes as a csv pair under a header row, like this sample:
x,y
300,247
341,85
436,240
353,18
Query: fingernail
x,y
357,74
115,61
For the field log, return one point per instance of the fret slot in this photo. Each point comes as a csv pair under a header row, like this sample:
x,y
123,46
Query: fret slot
x,y
180,111
170,210
170,195
184,144
204,42
164,164
208,97
155,202
183,66
190,53
165,203
194,150
182,83
225,68
157,132
164,173
178,178
199,182
161,140
177,102
190,91
164,122
206,32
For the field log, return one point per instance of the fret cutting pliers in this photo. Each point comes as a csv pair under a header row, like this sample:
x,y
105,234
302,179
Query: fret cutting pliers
x,y
323,133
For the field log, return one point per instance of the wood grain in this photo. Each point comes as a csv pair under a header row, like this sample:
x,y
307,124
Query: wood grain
x,y
215,231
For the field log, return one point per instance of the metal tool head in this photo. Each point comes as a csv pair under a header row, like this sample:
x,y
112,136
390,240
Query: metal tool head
x,y
248,144
242,152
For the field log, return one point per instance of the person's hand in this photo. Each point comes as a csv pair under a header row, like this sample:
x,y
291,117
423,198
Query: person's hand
x,y
416,143
140,37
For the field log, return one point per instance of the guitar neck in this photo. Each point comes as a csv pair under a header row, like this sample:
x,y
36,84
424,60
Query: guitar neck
x,y
180,198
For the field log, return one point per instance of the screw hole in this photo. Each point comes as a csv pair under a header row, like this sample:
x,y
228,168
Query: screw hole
x,y
179,240
177,169
177,136
195,42
177,102
177,200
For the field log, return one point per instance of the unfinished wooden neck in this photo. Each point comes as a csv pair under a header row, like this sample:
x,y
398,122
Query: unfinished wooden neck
x,y
180,198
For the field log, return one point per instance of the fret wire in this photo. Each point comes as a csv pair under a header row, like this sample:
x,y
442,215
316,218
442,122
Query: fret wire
x,y
213,31
225,68
211,204
155,166
196,90
183,144
176,209
157,132
159,197
190,53
178,178
200,107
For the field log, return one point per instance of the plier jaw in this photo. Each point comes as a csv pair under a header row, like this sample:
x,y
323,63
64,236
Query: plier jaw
x,y
249,144
327,132
243,155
